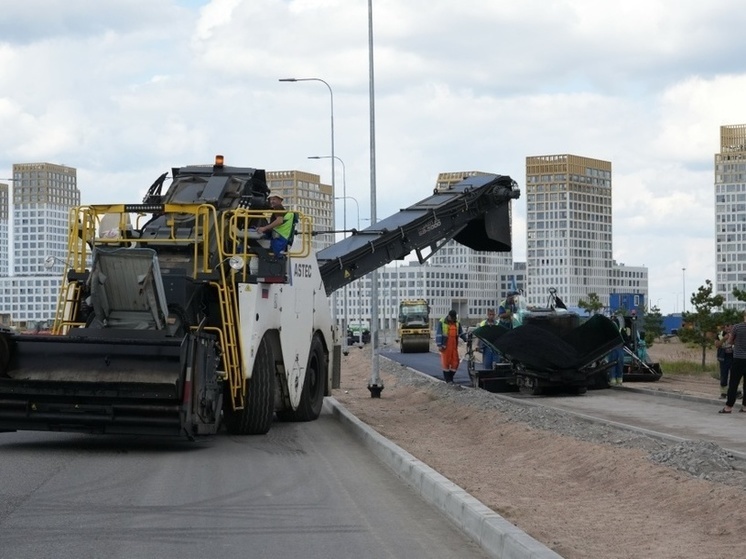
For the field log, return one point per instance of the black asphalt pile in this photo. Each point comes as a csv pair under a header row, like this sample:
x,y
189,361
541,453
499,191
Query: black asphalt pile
x,y
549,345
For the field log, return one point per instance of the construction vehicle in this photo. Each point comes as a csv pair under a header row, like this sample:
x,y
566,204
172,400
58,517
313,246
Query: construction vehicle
x,y
414,326
548,348
175,318
637,365
358,333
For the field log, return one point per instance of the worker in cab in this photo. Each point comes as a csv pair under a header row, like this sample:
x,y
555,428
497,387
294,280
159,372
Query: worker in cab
x,y
280,228
447,334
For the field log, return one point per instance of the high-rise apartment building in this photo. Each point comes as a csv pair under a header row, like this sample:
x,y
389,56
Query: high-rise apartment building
x,y
42,194
730,213
568,228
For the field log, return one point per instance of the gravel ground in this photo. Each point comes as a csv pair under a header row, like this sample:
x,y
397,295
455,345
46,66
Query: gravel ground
x,y
701,459
585,490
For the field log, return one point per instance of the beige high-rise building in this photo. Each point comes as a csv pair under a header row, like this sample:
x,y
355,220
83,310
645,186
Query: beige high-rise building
x,y
730,213
568,228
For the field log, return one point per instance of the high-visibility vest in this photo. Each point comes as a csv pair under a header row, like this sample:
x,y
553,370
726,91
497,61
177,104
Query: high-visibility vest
x,y
286,228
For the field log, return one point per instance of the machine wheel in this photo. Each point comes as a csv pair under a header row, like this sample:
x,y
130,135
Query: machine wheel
x,y
259,404
314,385
414,345
529,386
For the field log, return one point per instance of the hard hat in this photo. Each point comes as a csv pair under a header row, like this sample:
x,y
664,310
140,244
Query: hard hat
x,y
275,195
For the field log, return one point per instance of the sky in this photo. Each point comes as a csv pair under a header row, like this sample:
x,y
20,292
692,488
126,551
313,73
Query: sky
x,y
123,90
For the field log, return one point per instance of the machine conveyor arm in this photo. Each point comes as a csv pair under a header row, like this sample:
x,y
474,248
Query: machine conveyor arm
x,y
475,212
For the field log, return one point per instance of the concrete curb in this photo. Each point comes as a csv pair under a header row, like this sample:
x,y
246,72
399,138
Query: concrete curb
x,y
498,538
672,395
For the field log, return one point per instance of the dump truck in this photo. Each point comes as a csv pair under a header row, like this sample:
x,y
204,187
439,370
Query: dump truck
x,y
414,326
176,319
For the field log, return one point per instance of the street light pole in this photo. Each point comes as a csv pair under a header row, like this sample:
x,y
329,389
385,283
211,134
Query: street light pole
x,y
357,205
375,385
333,158
331,118
344,227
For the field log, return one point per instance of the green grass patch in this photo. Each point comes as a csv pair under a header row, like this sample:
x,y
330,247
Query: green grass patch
x,y
690,368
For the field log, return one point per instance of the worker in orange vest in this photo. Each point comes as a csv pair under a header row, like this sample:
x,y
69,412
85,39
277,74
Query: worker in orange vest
x,y
447,333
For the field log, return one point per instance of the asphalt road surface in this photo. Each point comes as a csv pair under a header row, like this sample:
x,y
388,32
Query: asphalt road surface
x,y
305,490
429,363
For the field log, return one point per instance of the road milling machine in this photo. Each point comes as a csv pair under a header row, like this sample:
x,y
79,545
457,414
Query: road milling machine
x,y
414,326
175,317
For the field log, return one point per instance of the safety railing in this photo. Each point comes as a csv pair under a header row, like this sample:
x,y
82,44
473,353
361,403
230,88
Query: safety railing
x,y
198,231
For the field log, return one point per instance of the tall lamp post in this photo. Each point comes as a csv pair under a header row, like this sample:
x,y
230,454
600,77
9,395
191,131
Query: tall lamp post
x,y
375,384
344,227
332,157
331,119
345,198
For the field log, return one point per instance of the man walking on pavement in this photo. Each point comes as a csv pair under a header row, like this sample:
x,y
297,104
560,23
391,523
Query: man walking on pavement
x,y
447,333
725,359
736,338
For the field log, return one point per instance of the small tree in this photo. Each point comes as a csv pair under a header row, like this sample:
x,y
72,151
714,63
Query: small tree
x,y
653,325
700,327
738,294
592,305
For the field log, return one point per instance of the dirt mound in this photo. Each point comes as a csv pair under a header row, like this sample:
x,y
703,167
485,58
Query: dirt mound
x,y
586,491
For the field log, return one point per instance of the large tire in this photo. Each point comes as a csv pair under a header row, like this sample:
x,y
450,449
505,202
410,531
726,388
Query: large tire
x,y
259,401
314,385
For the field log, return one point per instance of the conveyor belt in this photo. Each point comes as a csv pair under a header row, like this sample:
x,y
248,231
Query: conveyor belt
x,y
475,212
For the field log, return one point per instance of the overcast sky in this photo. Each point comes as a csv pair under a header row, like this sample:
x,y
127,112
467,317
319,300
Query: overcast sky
x,y
125,89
